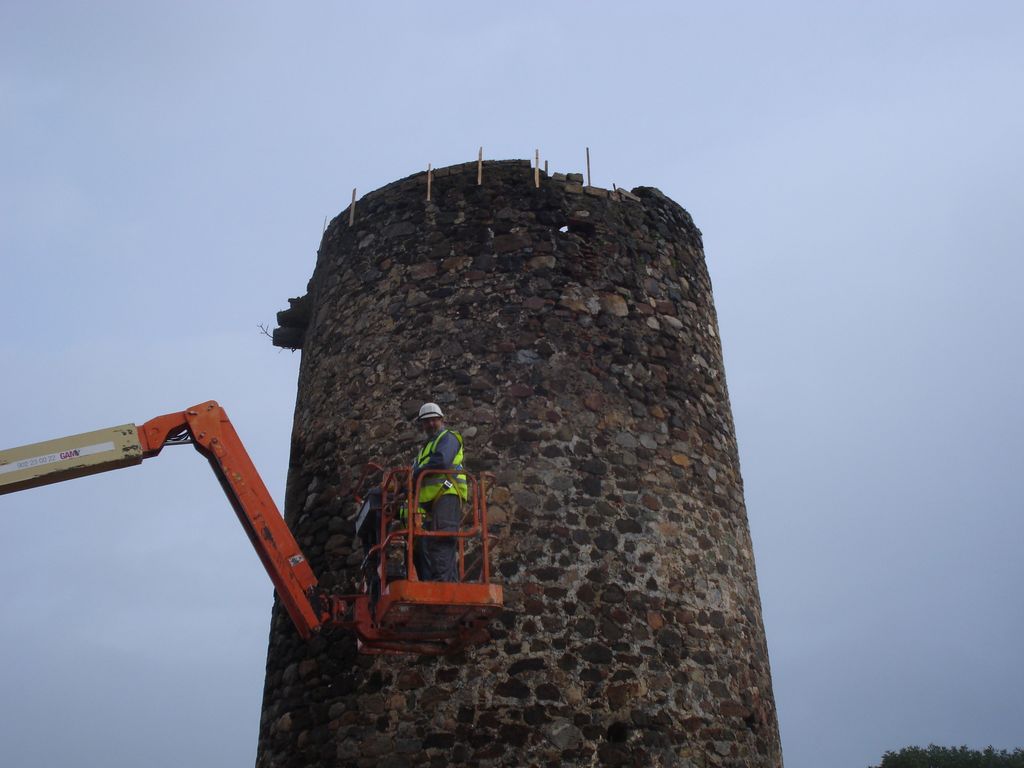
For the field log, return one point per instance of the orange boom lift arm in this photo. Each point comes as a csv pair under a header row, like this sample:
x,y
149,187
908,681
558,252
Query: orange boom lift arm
x,y
460,610
210,430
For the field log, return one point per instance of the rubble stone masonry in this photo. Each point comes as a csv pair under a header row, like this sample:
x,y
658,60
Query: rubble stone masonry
x,y
569,333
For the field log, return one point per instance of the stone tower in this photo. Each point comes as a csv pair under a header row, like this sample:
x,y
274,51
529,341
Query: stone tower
x,y
569,333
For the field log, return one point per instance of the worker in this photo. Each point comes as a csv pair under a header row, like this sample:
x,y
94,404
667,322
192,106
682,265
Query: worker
x,y
368,529
441,496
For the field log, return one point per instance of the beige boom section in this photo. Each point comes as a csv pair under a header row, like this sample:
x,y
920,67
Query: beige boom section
x,y
52,461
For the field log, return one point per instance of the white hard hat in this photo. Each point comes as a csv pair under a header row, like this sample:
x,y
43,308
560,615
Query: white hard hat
x,y
430,411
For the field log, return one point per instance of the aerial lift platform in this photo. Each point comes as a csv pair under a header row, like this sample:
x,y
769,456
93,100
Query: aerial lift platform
x,y
394,613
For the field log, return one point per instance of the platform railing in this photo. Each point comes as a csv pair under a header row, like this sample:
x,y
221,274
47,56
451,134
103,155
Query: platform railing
x,y
399,493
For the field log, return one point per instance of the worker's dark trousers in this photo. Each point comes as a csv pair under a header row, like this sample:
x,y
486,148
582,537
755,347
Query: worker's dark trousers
x,y
436,559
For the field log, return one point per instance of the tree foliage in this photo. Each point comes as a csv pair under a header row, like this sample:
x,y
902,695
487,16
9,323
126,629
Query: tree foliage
x,y
952,757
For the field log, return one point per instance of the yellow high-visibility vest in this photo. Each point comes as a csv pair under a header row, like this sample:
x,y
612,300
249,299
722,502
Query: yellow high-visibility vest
x,y
441,485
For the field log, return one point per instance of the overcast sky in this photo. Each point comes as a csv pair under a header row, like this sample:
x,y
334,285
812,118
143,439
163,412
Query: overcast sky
x,y
856,168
